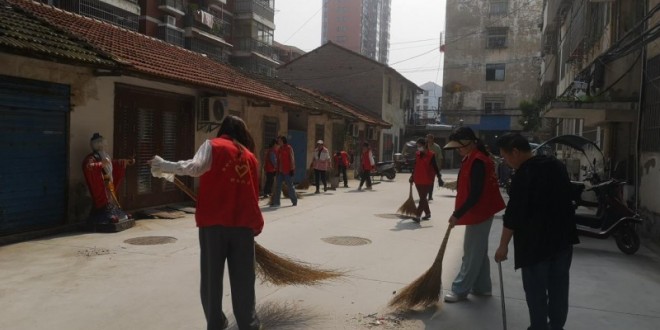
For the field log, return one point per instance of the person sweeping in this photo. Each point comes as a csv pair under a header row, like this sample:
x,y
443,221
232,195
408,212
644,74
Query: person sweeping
x,y
228,217
478,198
425,171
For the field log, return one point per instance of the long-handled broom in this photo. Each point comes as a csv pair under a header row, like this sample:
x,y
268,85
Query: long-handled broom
x,y
408,208
425,290
277,269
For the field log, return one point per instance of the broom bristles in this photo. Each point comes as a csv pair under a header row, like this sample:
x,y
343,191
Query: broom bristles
x,y
425,290
408,208
281,270
450,185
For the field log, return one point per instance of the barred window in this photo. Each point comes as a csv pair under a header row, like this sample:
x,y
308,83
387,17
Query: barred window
x,y
650,141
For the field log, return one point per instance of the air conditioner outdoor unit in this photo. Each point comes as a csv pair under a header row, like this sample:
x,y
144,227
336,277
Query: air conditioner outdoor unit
x,y
169,20
211,111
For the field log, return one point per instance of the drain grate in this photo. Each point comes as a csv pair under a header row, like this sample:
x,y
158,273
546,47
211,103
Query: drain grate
x,y
346,240
150,240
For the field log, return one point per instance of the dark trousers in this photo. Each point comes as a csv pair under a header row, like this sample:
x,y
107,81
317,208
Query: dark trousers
x,y
319,177
365,176
546,290
270,179
423,206
236,245
342,171
433,184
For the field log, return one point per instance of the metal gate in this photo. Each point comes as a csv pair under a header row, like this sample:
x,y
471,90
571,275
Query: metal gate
x,y
34,153
147,123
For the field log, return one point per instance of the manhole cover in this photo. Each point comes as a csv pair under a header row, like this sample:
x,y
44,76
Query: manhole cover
x,y
150,240
346,240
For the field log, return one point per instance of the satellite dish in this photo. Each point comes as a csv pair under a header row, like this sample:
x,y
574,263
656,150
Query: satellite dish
x,y
218,110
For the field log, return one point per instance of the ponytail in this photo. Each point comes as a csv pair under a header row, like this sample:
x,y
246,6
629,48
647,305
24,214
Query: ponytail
x,y
482,147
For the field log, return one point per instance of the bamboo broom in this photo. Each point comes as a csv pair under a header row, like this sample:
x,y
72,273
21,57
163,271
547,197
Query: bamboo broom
x,y
277,269
408,208
425,290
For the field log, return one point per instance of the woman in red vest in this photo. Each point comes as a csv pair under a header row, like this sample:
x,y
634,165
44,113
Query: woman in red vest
x,y
286,167
270,167
228,217
478,199
366,165
425,171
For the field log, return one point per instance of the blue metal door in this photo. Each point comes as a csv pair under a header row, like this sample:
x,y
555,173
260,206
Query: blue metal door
x,y
298,141
34,153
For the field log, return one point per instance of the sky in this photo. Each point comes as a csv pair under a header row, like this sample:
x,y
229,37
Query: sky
x,y
414,33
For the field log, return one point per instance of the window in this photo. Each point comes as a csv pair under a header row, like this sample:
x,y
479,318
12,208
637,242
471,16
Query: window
x,y
341,39
341,28
426,101
426,107
498,7
270,130
426,93
493,104
418,108
388,147
319,133
496,38
495,72
370,133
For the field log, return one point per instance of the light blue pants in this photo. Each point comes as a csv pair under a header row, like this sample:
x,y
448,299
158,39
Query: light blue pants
x,y
475,270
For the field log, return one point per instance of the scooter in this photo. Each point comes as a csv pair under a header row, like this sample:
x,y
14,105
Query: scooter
x,y
601,211
386,169
612,218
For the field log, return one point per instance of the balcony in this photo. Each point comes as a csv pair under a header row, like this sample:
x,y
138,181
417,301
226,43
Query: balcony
x,y
255,46
209,27
171,34
256,7
209,49
217,4
173,7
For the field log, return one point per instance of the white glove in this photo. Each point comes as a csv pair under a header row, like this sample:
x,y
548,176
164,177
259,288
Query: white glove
x,y
157,171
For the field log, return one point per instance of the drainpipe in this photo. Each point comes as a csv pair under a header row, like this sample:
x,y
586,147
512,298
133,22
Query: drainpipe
x,y
638,147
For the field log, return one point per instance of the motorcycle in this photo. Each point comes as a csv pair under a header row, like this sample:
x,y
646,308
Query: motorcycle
x,y
386,169
612,216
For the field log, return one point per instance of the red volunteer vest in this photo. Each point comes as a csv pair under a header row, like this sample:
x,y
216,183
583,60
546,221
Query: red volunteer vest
x,y
229,191
284,158
269,167
424,173
342,159
490,201
366,161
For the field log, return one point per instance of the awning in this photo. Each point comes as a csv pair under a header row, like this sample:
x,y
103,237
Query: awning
x,y
593,113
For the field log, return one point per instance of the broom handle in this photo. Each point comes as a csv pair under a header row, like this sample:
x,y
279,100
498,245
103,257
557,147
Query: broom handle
x,y
185,189
443,246
499,266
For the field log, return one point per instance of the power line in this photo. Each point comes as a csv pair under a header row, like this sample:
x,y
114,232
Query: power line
x,y
303,25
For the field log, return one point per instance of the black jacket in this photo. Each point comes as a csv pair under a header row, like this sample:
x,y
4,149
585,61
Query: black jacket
x,y
540,211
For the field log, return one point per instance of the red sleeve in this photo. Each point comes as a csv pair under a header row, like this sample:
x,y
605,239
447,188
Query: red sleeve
x,y
118,172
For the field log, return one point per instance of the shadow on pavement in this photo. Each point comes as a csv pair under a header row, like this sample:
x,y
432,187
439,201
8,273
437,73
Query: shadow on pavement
x,y
408,225
284,315
393,216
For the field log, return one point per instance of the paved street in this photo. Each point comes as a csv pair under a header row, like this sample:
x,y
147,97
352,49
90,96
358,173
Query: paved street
x,y
96,281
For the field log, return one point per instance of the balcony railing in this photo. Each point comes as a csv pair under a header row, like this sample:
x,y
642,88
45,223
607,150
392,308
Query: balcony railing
x,y
208,23
258,7
252,45
171,35
172,6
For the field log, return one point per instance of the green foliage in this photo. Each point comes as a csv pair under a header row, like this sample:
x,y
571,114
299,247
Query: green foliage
x,y
531,115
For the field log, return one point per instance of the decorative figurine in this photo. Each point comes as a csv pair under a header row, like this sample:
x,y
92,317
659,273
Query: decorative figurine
x,y
103,175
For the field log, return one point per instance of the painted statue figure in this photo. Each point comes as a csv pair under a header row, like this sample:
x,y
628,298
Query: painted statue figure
x,y
102,175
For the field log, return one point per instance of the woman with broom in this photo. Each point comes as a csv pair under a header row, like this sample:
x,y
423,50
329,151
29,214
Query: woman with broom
x,y
425,171
478,198
228,217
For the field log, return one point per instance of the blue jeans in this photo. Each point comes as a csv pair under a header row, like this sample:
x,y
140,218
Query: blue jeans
x,y
546,290
475,270
281,177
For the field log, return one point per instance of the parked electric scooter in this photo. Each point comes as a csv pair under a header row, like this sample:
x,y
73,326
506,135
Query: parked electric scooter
x,y
385,169
612,217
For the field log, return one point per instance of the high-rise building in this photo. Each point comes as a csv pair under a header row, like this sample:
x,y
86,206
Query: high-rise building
x,y
362,26
239,32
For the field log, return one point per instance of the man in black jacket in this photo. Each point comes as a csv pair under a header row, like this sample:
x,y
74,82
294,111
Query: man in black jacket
x,y
540,218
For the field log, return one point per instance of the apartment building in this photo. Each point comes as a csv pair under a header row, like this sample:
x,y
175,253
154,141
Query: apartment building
x,y
491,64
239,32
362,26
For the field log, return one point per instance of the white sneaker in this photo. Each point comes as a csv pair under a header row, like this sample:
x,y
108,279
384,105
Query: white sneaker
x,y
454,297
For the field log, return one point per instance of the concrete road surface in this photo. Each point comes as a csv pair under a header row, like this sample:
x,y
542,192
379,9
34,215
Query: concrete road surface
x,y
97,281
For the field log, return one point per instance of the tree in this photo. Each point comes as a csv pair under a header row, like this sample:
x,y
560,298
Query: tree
x,y
531,115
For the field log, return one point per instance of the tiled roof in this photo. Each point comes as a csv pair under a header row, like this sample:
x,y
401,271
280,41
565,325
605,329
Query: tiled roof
x,y
153,57
20,33
359,114
306,100
331,44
